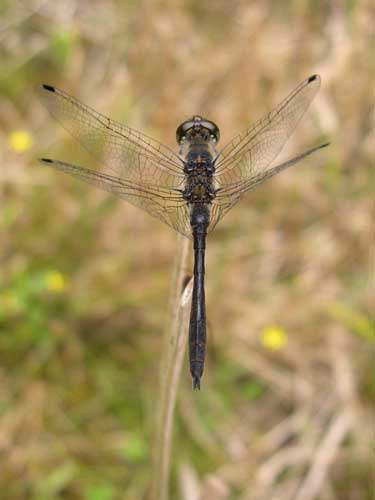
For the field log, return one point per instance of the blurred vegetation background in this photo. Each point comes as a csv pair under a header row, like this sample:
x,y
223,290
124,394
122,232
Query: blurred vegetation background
x,y
287,404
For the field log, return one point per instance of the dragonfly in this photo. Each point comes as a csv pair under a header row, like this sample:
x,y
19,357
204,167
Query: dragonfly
x,y
189,190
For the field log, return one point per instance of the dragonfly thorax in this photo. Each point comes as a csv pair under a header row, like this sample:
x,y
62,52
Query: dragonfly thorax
x,y
199,161
199,170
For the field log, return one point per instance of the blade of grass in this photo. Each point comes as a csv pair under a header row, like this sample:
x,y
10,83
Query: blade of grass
x,y
172,356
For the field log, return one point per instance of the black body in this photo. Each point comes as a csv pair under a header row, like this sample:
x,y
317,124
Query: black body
x,y
190,191
197,325
199,193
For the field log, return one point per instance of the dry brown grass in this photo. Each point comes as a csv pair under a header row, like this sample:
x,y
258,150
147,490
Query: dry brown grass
x,y
79,364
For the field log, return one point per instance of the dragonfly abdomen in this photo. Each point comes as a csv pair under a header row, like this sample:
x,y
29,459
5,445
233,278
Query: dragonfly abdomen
x,y
199,220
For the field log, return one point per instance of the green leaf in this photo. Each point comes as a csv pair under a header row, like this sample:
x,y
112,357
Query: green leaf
x,y
62,44
357,321
253,390
58,479
103,491
135,448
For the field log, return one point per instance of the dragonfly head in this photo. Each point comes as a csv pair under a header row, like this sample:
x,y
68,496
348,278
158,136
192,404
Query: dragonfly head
x,y
197,130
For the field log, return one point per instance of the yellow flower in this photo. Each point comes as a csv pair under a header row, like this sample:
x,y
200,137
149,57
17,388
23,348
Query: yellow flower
x,y
20,141
55,281
274,337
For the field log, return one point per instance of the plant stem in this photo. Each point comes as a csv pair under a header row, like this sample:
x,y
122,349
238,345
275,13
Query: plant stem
x,y
172,356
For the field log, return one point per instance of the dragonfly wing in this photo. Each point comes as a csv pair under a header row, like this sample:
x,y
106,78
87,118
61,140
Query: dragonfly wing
x,y
124,151
251,152
229,195
163,202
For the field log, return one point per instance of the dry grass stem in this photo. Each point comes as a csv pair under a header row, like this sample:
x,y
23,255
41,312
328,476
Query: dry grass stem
x,y
170,368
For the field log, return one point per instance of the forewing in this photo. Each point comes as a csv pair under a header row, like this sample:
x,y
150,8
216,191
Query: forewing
x,y
245,162
163,202
250,153
124,152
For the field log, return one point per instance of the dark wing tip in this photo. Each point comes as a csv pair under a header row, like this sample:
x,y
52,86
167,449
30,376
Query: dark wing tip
x,y
48,87
45,160
312,78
